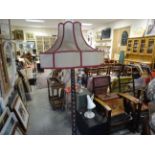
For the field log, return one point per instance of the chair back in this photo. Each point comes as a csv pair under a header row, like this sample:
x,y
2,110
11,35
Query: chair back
x,y
101,84
116,69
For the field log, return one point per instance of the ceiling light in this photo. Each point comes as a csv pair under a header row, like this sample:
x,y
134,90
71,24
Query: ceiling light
x,y
87,24
35,20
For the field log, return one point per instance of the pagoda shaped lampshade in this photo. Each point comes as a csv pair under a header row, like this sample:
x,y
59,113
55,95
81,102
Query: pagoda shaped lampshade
x,y
71,51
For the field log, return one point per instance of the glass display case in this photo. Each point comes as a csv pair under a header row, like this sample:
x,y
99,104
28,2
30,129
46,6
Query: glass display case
x,y
151,45
129,45
39,41
135,46
141,50
142,46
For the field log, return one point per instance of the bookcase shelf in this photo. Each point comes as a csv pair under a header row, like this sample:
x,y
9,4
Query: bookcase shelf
x,y
141,50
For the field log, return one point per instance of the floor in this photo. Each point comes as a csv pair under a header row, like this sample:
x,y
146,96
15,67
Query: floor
x,y
43,119
46,121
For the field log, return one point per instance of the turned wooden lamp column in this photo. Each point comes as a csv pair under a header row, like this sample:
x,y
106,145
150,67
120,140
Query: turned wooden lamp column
x,y
71,51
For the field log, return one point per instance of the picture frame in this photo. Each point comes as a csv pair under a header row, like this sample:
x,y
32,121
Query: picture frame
x,y
9,125
29,36
4,79
18,35
2,106
5,28
20,89
3,119
12,99
150,28
16,130
9,56
21,113
1,93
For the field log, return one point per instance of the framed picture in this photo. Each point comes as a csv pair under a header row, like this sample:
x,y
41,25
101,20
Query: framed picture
x,y
17,131
1,87
3,119
18,35
9,56
29,36
12,98
150,29
20,88
5,28
9,125
4,78
2,107
21,112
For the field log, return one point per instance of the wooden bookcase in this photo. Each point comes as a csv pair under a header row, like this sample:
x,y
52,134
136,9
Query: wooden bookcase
x,y
44,43
104,44
141,50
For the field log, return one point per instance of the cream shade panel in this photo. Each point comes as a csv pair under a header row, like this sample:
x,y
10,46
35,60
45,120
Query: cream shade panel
x,y
92,58
70,59
46,60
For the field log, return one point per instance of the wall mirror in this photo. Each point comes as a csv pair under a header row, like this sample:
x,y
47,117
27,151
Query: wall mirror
x,y
9,56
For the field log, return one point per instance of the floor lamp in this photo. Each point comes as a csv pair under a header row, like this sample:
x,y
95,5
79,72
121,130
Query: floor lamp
x,y
71,51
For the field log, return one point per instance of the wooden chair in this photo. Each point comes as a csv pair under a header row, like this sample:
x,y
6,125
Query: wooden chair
x,y
116,69
104,69
102,85
111,105
141,112
56,93
124,80
91,71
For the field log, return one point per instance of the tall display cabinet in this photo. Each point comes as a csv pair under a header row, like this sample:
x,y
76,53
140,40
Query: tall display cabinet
x,y
44,43
4,78
141,50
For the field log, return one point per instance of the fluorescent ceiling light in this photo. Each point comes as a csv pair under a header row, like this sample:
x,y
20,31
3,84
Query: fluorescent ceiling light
x,y
35,20
87,24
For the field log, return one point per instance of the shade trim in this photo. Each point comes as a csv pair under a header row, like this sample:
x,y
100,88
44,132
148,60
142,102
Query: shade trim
x,y
72,67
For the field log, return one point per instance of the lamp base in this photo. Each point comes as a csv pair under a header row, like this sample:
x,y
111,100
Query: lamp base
x,y
89,114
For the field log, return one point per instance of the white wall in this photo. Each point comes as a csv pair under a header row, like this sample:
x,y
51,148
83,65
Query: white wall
x,y
37,31
138,27
40,31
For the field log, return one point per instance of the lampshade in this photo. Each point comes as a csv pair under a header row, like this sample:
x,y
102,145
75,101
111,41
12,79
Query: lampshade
x,y
90,103
70,50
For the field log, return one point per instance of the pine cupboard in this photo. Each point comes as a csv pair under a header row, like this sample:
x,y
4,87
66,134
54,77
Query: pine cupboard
x,y
141,50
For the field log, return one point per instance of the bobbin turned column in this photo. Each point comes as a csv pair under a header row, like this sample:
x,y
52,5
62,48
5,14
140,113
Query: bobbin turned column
x,y
73,104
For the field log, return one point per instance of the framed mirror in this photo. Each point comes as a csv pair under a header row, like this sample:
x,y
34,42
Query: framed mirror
x,y
9,56
5,28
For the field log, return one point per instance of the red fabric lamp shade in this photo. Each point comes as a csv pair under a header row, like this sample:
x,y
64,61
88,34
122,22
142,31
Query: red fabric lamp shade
x,y
70,50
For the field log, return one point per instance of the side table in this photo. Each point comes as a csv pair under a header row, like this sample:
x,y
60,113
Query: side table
x,y
94,126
